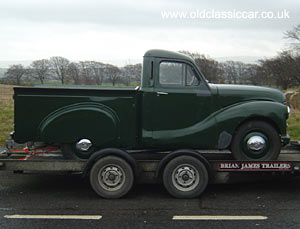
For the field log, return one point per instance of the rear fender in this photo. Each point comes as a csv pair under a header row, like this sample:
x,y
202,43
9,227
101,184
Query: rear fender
x,y
93,121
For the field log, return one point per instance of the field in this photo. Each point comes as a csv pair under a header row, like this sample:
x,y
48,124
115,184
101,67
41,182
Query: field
x,y
294,125
6,112
7,116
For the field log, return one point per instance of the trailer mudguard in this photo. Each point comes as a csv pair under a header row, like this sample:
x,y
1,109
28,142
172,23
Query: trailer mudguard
x,y
92,121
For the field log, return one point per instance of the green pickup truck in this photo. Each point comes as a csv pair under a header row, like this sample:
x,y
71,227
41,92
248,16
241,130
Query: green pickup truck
x,y
174,108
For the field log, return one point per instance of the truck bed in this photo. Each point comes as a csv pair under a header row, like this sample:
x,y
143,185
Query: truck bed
x,y
34,107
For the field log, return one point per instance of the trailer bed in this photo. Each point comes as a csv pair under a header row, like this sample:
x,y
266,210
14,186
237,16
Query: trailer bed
x,y
224,168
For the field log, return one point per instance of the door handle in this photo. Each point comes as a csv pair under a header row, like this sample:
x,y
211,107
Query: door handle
x,y
162,93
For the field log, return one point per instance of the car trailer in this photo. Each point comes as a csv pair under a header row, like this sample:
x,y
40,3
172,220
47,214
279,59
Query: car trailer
x,y
185,173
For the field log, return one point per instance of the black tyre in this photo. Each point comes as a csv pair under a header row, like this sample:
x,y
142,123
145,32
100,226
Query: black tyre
x,y
185,177
70,151
111,177
256,141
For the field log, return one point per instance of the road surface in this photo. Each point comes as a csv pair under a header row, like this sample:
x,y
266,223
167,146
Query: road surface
x,y
67,201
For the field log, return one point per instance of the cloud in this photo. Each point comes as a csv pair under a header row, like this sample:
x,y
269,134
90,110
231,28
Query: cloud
x,y
100,30
140,14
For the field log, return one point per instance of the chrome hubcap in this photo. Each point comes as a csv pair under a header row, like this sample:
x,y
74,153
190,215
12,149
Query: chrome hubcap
x,y
256,143
84,145
185,177
111,177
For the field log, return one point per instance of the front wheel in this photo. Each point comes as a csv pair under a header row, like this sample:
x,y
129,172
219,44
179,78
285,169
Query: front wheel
x,y
256,141
185,177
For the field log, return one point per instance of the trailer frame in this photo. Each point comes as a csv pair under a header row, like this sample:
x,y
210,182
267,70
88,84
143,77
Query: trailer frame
x,y
223,168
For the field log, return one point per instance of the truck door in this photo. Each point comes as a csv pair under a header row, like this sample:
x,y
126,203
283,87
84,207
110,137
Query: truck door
x,y
181,107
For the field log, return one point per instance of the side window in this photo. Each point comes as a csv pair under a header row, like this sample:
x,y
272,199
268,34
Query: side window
x,y
191,77
170,73
177,74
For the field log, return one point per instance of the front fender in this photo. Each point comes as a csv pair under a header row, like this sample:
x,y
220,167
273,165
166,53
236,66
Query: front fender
x,y
93,121
229,118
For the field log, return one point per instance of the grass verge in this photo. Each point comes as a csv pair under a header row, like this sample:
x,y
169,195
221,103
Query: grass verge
x,y
294,125
6,120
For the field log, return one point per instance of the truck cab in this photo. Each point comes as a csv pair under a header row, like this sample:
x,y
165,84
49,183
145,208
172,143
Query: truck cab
x,y
176,99
181,109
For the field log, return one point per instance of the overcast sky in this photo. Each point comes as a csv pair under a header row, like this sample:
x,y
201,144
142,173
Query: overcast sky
x,y
121,31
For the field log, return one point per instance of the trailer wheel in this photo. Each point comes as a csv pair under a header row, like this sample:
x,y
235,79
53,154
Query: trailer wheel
x,y
111,177
185,177
256,140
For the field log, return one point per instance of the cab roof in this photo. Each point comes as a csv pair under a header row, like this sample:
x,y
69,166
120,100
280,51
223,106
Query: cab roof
x,y
167,54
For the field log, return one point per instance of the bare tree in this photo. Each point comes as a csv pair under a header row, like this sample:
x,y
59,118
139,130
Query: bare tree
x,y
294,35
137,72
91,72
212,69
291,62
280,70
15,73
74,72
40,69
113,74
230,71
60,67
98,71
252,74
131,73
235,71
86,72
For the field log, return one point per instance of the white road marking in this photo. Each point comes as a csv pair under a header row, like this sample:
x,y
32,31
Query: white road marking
x,y
94,217
218,217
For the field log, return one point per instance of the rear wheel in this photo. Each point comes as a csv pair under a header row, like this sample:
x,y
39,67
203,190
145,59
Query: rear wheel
x,y
256,140
185,177
111,177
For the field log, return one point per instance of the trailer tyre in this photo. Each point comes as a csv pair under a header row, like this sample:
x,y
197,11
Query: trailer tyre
x,y
256,140
185,177
111,177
